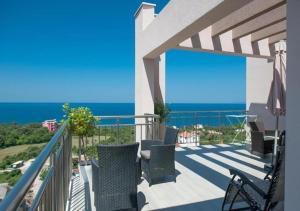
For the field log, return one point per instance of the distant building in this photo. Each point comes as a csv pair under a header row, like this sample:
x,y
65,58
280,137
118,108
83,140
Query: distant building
x,y
50,124
198,126
17,164
185,137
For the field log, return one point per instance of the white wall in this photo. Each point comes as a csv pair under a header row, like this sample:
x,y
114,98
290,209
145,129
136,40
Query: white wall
x,y
259,78
292,175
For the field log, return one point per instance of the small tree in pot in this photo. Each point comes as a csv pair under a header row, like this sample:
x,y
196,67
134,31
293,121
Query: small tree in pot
x,y
82,123
163,111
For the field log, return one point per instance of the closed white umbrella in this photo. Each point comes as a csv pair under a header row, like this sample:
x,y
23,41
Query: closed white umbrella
x,y
276,101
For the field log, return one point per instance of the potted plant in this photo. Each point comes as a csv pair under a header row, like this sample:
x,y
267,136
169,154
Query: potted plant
x,y
82,123
161,109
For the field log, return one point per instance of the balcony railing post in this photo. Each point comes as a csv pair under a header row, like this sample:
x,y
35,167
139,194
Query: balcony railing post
x,y
219,125
52,181
141,131
152,127
99,136
118,130
105,128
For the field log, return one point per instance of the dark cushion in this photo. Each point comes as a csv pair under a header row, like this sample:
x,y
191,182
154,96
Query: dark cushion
x,y
146,154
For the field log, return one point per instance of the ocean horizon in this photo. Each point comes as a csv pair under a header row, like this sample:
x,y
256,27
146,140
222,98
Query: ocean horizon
x,y
23,113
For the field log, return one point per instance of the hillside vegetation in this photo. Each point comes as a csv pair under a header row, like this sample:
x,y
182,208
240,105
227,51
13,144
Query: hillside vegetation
x,y
14,134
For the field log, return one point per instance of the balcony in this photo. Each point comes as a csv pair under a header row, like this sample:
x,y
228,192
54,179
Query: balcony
x,y
202,172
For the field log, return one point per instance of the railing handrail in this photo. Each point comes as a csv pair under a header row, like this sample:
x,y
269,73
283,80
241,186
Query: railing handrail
x,y
14,198
127,116
207,111
123,124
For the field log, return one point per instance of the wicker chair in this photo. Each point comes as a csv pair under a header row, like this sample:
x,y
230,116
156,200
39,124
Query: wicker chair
x,y
158,157
260,144
243,193
115,177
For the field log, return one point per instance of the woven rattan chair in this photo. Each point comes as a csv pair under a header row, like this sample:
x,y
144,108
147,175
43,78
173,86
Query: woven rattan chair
x,y
158,162
169,138
244,193
115,177
261,143
158,157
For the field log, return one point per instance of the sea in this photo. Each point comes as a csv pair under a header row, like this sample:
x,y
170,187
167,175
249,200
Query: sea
x,y
23,113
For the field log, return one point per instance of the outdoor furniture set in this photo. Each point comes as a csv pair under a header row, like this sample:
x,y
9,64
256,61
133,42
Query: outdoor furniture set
x,y
117,171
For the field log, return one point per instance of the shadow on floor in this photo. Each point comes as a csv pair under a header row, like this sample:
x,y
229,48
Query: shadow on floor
x,y
208,205
208,173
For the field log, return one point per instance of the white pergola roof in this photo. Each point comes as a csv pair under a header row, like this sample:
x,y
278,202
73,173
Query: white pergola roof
x,y
238,27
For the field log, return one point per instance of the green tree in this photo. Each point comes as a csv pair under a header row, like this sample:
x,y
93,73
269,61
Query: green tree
x,y
82,123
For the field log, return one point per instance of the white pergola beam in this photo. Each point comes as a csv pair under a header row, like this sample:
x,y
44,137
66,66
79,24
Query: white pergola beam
x,y
276,38
244,14
203,41
269,18
269,31
180,20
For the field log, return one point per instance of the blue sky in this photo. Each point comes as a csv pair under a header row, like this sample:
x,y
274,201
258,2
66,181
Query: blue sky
x,y
51,51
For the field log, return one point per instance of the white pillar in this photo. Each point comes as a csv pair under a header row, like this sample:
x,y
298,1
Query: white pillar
x,y
292,168
149,73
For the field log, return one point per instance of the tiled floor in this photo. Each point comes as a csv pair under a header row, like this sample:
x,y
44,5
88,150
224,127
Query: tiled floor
x,y
202,178
77,199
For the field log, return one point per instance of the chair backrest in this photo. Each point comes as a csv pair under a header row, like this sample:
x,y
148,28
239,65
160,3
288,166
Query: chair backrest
x,y
117,168
257,126
170,135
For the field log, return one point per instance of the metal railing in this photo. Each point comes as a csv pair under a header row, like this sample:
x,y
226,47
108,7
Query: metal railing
x,y
208,127
126,128
53,192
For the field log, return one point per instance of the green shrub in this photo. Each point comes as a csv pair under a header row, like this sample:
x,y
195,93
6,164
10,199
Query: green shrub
x,y
44,173
161,109
11,177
